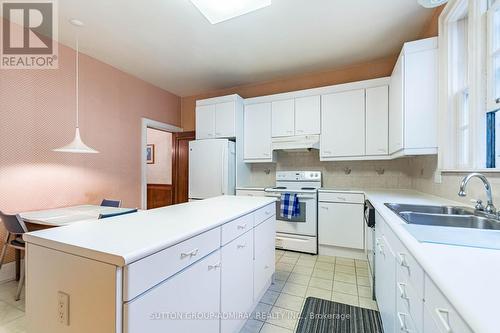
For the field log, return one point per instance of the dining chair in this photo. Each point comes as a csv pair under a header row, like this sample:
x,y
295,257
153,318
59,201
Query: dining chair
x,y
15,229
111,203
105,216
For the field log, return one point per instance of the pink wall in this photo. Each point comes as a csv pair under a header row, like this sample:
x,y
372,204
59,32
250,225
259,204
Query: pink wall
x,y
37,111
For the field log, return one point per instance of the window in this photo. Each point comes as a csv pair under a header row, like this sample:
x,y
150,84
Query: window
x,y
493,54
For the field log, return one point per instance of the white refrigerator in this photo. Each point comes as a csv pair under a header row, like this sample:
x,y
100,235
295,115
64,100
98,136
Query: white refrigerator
x,y
212,169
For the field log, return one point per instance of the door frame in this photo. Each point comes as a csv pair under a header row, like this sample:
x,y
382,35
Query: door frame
x,y
157,125
191,135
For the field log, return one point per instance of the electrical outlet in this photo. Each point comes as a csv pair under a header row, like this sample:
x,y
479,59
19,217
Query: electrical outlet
x,y
63,308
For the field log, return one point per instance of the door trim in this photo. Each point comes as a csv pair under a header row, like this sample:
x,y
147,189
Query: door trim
x,y
175,161
145,124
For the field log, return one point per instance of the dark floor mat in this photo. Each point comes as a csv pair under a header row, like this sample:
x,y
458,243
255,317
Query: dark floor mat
x,y
322,316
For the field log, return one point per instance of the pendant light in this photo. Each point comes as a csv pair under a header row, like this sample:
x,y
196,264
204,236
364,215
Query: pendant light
x,y
77,146
431,3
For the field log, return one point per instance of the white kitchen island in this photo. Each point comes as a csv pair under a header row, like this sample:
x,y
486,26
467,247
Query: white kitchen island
x,y
195,267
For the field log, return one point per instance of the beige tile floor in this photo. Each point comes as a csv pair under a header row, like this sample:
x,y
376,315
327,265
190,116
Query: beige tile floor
x,y
297,277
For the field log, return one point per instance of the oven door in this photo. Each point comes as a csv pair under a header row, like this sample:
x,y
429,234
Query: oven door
x,y
305,223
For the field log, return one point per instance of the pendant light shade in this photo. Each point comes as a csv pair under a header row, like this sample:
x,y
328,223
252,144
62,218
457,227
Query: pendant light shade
x,y
77,146
431,3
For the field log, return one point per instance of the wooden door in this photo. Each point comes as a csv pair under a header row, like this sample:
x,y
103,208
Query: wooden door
x,y
180,165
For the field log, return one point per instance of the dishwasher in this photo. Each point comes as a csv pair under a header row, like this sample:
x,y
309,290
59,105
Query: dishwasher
x,y
370,240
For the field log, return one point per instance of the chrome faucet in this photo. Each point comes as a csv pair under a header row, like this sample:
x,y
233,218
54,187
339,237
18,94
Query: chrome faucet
x,y
490,207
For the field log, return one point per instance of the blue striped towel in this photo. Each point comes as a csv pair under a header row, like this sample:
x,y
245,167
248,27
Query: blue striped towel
x,y
290,206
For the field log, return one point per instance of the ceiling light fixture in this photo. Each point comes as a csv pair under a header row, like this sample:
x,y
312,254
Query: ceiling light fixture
x,y
217,11
77,146
431,3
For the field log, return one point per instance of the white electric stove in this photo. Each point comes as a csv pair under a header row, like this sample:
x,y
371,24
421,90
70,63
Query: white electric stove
x,y
299,233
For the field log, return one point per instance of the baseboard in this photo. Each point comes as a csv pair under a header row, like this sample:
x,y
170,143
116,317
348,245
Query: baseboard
x,y
8,271
336,251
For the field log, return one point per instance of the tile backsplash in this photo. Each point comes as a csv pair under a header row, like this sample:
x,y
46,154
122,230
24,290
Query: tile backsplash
x,y
405,173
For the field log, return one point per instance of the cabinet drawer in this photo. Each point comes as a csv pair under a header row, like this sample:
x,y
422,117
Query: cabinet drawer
x,y
233,229
264,213
342,197
150,271
408,302
446,318
195,290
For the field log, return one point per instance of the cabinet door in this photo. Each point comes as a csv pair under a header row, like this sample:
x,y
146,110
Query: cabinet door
x,y
237,282
385,279
225,120
283,118
257,132
308,115
264,240
343,124
205,122
341,225
377,121
396,109
194,290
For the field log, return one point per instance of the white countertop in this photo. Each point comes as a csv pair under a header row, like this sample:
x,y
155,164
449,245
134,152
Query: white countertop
x,y
468,277
124,239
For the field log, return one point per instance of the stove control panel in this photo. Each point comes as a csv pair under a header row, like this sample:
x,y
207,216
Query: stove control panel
x,y
309,176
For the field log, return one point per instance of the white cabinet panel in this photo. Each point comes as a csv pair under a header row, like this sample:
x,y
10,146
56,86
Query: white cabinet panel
x,y
194,290
264,238
283,118
237,282
308,115
205,122
257,132
341,225
225,119
343,124
396,107
377,121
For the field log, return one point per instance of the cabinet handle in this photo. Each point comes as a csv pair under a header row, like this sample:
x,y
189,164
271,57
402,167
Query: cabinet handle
x,y
241,246
266,267
300,131
402,259
217,265
209,134
290,132
268,212
381,150
265,154
402,291
328,152
217,134
341,199
402,322
445,322
242,226
323,207
189,254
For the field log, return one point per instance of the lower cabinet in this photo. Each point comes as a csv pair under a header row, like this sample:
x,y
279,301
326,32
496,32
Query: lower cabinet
x,y
385,280
264,256
236,282
173,305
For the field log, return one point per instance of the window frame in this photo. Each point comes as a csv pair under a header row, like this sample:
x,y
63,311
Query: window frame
x,y
492,103
476,84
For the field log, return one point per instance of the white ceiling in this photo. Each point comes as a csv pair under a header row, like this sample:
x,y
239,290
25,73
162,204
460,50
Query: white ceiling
x,y
170,43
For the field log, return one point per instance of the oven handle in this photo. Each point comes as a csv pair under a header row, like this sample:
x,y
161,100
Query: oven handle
x,y
300,196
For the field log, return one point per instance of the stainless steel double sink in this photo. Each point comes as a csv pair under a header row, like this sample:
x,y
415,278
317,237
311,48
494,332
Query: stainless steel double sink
x,y
445,216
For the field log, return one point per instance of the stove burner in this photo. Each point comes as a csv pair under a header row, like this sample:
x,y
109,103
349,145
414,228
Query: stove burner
x,y
307,188
279,188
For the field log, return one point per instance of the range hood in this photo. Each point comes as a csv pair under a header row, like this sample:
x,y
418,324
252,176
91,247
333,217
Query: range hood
x,y
296,143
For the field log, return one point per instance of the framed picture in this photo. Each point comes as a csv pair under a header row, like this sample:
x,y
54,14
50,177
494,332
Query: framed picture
x,y
150,154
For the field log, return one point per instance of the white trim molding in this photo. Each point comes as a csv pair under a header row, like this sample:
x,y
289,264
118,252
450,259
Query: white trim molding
x,y
145,124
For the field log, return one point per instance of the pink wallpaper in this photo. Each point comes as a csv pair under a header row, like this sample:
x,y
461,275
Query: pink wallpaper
x,y
37,111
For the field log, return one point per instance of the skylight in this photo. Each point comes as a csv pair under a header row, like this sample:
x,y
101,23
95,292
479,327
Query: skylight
x,y
217,11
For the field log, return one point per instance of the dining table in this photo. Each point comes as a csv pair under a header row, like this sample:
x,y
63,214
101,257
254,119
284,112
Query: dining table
x,y
59,217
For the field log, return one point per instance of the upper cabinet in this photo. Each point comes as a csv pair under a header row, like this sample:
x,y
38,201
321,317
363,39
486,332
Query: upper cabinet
x,y
299,116
377,121
414,100
218,117
257,133
283,118
343,124
308,115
